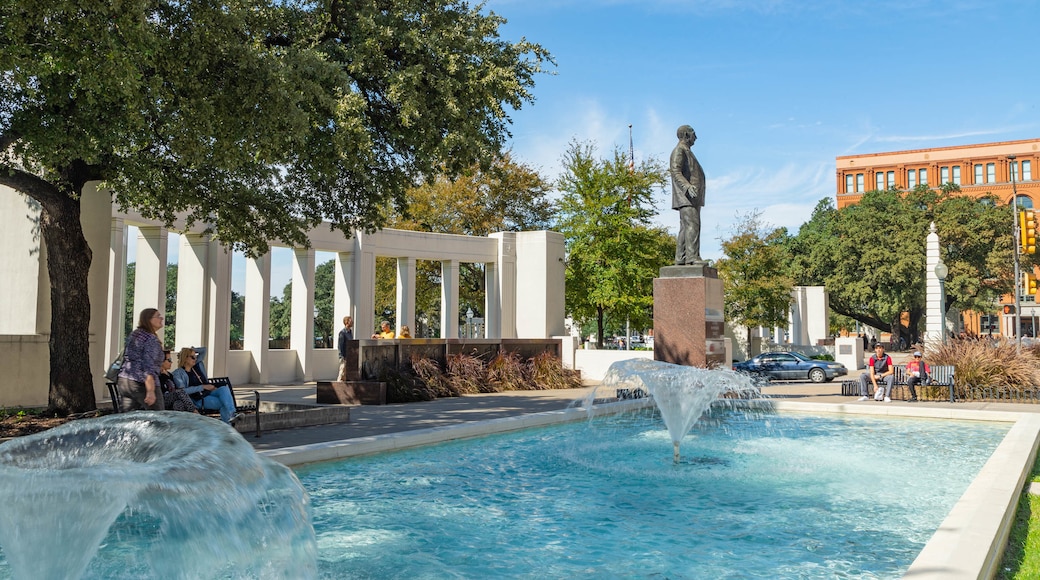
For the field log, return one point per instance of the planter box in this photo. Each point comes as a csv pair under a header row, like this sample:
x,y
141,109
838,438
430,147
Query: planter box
x,y
351,393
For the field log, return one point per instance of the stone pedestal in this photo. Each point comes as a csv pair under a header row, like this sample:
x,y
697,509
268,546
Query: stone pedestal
x,y
688,317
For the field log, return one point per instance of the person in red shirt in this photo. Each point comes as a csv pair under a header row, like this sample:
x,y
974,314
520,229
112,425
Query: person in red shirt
x,y
879,367
917,374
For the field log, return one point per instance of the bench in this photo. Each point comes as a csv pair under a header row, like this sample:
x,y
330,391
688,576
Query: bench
x,y
215,381
941,381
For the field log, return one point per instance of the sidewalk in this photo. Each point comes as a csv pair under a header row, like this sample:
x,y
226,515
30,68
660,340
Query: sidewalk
x,y
369,420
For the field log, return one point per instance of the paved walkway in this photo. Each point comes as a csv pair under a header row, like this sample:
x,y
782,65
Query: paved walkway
x,y
369,420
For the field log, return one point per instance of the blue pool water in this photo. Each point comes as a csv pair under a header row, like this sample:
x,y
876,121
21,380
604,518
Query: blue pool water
x,y
755,496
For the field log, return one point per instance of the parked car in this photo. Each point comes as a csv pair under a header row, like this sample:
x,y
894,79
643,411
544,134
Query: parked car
x,y
791,366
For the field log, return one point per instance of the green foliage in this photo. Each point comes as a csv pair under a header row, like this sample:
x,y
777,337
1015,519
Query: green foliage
x,y
757,292
613,251
261,118
1021,559
871,256
324,300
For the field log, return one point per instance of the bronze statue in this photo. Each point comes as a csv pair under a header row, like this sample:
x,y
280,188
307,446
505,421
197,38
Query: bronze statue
x,y
687,197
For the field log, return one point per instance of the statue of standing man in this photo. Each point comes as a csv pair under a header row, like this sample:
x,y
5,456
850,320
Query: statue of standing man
x,y
687,197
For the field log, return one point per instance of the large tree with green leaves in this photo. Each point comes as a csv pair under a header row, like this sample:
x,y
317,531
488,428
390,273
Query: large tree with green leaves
x,y
258,118
613,251
871,256
757,290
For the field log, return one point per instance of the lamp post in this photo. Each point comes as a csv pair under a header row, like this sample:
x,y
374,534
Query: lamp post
x,y
941,271
469,323
1015,242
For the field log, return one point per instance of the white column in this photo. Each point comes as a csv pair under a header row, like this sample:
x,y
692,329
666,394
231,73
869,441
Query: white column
x,y
492,302
191,291
116,289
302,325
257,324
345,291
501,289
150,276
538,300
364,293
934,320
405,293
449,298
218,319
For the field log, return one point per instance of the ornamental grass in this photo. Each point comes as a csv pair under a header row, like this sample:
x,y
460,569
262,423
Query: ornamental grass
x,y
505,372
467,374
985,364
546,372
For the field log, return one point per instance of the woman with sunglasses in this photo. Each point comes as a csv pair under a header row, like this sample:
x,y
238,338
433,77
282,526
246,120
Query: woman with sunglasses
x,y
138,382
193,380
174,398
917,374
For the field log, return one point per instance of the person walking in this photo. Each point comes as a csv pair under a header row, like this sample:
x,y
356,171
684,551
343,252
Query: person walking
x,y
879,367
346,334
138,382
917,372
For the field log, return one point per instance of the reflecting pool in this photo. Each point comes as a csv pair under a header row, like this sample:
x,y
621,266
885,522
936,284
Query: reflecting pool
x,y
754,496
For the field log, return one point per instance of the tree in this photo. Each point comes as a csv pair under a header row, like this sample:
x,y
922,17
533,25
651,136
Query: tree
x,y
613,252
871,256
757,292
256,117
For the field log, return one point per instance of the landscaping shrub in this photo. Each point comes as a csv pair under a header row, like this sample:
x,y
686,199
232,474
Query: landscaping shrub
x,y
429,371
506,373
404,387
982,364
547,372
467,374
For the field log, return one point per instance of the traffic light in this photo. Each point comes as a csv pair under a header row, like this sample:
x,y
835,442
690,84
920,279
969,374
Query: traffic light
x,y
1027,231
1029,284
1009,308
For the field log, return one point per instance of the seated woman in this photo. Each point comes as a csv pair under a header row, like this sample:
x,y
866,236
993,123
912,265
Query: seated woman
x,y
175,398
405,332
204,395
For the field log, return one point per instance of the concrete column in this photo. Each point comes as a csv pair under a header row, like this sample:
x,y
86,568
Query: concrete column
x,y
191,291
345,292
256,327
96,219
302,325
492,302
449,298
405,293
934,320
501,294
365,287
150,277
218,319
538,309
116,303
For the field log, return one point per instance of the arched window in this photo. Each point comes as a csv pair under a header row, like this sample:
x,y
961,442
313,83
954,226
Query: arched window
x,y
1025,202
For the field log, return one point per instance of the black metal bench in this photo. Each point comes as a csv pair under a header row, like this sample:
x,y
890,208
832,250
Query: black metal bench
x,y
940,382
215,381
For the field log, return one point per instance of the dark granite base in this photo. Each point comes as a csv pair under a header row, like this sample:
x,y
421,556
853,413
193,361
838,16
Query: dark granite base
x,y
351,393
689,320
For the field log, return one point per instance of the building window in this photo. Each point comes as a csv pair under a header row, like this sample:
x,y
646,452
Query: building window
x,y
944,175
911,178
957,174
991,173
891,179
1025,202
880,180
848,183
1027,171
1013,168
978,173
859,182
924,177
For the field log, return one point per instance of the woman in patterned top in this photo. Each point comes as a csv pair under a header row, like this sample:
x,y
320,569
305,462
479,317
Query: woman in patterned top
x,y
138,382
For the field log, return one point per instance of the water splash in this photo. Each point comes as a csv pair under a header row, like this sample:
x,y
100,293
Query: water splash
x,y
682,394
218,509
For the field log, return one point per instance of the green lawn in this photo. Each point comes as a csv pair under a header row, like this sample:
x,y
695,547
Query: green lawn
x,y
1022,556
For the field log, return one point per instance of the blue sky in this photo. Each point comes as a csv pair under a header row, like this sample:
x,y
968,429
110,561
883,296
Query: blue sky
x,y
775,89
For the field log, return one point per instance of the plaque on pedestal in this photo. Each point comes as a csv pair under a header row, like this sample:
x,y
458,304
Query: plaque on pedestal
x,y
688,317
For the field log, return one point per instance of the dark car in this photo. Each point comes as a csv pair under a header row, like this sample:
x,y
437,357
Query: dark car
x,y
791,366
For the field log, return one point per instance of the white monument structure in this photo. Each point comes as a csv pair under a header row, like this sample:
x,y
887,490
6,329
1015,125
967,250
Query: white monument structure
x,y
524,292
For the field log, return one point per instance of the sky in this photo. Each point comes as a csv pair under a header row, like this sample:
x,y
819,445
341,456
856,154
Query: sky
x,y
776,89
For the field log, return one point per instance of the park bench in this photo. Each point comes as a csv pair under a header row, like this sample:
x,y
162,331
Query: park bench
x,y
941,380
216,381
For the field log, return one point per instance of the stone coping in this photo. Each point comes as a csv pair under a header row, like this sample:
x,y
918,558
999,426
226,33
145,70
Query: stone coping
x,y
969,543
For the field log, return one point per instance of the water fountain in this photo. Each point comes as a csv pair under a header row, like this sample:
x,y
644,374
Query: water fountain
x,y
682,393
164,495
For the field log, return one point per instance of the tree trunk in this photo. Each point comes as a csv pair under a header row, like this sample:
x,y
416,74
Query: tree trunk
x,y
599,327
68,264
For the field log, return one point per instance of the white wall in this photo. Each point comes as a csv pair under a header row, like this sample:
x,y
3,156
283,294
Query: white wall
x,y
593,364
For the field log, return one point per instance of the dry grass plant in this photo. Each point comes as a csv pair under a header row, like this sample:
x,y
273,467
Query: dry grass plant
x,y
467,374
429,371
547,372
981,364
506,373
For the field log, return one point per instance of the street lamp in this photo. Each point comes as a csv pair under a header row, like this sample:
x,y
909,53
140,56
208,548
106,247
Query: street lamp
x,y
469,323
941,271
1015,242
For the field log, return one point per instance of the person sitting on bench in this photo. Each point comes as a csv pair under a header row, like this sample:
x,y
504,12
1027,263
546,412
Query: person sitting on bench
x,y
879,367
192,379
917,374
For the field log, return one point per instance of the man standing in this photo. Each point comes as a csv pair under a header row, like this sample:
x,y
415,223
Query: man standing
x,y
687,197
879,367
346,334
